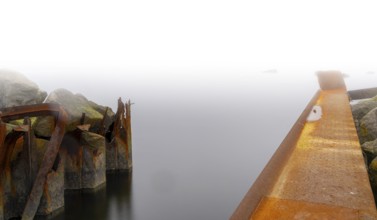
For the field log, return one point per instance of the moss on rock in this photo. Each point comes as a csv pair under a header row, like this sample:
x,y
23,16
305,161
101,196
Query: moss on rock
x,y
368,127
75,105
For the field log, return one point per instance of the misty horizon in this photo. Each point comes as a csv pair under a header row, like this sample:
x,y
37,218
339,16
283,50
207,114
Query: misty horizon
x,y
197,138
217,85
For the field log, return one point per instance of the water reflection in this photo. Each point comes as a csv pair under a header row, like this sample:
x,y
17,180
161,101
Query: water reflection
x,y
119,196
111,201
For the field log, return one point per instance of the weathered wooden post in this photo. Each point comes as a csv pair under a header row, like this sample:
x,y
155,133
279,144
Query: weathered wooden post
x,y
118,153
128,133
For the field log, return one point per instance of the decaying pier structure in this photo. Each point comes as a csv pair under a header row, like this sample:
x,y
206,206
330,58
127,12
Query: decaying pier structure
x,y
318,171
50,151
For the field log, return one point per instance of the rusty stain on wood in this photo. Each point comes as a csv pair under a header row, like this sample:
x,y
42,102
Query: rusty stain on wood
x,y
118,124
127,124
120,146
275,208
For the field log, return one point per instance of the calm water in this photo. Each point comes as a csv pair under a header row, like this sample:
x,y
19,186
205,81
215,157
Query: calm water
x,y
198,146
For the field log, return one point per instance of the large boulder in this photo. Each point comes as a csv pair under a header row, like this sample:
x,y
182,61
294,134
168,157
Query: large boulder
x,y
367,128
16,89
373,173
362,108
370,150
75,105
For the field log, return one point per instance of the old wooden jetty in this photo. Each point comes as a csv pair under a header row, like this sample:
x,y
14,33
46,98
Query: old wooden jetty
x,y
318,171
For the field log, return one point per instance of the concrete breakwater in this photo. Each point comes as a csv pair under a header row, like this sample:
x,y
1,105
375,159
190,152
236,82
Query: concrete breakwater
x,y
55,142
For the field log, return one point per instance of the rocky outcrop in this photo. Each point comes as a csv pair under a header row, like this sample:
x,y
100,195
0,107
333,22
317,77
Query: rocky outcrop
x,y
75,105
16,90
367,128
370,150
96,140
362,108
365,117
372,170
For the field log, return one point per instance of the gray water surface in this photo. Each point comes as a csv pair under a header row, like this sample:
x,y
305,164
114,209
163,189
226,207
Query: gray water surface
x,y
196,152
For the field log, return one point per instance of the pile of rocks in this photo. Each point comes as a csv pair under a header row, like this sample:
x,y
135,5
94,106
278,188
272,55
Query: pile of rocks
x,y
365,117
96,140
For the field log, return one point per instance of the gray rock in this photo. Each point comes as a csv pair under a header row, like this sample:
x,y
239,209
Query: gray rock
x,y
373,173
362,108
44,126
16,89
75,105
367,128
370,150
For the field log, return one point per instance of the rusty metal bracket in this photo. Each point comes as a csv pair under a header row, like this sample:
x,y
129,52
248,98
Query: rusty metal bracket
x,y
19,112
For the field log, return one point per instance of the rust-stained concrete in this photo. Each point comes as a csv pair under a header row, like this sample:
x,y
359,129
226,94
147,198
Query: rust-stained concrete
x,y
323,175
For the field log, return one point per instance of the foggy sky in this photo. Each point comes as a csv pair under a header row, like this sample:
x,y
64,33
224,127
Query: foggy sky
x,y
173,36
216,84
